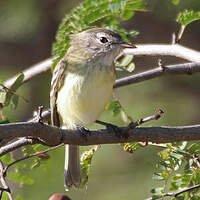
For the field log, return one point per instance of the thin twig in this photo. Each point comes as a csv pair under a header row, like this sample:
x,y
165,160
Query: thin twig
x,y
31,72
184,68
45,115
133,125
178,69
146,49
30,156
175,194
4,182
17,144
14,92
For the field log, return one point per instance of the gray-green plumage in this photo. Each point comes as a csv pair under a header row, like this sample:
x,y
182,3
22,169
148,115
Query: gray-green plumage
x,y
81,86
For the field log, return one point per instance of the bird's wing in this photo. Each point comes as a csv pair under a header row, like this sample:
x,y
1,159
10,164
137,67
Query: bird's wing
x,y
56,83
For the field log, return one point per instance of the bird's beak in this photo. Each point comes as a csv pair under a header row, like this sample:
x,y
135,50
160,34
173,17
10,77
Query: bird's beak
x,y
126,45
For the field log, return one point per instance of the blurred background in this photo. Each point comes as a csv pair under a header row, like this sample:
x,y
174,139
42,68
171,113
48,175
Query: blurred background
x,y
27,31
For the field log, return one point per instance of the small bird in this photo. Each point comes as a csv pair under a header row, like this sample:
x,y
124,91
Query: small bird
x,y
82,86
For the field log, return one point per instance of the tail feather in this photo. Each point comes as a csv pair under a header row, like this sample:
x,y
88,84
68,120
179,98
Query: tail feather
x,y
72,174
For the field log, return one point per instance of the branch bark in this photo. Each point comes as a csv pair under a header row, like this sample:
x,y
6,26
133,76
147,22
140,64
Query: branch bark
x,y
54,136
177,193
4,183
164,50
31,72
178,69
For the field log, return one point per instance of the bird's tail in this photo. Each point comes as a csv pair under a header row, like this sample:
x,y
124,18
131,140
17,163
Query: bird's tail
x,y
72,173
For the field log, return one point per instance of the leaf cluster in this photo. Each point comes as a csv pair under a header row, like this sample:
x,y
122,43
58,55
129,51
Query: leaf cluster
x,y
178,168
8,96
91,13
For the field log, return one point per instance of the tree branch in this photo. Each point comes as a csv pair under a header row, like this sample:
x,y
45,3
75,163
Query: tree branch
x,y
164,50
31,72
54,136
4,183
175,194
141,50
17,144
178,69
29,156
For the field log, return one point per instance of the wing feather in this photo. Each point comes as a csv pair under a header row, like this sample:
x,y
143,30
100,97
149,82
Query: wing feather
x,y
56,83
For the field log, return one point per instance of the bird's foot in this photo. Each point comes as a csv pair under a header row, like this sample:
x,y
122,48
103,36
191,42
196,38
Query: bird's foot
x,y
84,131
113,128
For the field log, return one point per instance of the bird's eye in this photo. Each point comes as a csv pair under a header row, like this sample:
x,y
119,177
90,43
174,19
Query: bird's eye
x,y
103,40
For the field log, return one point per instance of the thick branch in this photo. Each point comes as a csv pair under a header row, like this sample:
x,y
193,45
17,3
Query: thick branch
x,y
54,136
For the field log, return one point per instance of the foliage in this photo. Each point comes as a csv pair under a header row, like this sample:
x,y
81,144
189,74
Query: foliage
x,y
8,95
179,168
86,161
175,2
125,63
188,16
179,164
95,12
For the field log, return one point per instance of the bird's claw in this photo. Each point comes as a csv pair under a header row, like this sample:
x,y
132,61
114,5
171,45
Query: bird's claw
x,y
84,131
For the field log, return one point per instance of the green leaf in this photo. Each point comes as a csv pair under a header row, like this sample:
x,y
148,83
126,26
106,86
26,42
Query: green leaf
x,y
158,191
188,16
2,96
22,179
5,196
6,159
179,198
175,2
17,82
131,147
86,161
126,63
165,175
14,101
127,15
176,156
130,67
12,89
194,148
115,107
157,176
90,14
154,197
36,164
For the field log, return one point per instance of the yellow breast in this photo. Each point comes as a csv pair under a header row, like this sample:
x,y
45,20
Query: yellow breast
x,y
83,96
